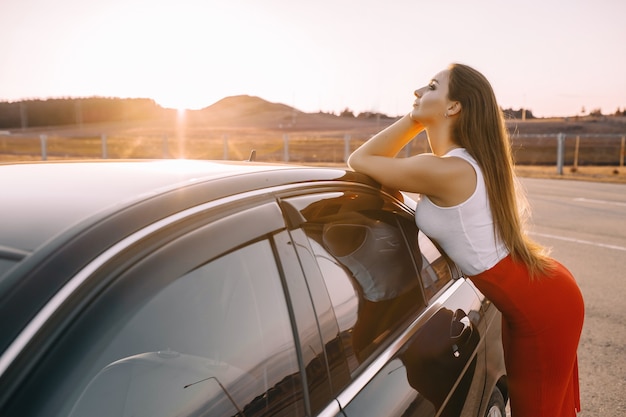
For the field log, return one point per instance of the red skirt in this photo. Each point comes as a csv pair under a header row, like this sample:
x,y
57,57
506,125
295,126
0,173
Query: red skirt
x,y
542,321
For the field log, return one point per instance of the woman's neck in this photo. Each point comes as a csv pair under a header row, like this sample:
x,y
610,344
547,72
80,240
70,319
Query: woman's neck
x,y
440,141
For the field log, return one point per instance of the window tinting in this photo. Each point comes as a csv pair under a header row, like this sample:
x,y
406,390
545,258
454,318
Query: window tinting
x,y
5,265
216,341
435,270
369,271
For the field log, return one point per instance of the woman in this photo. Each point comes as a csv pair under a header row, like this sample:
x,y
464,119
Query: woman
x,y
468,204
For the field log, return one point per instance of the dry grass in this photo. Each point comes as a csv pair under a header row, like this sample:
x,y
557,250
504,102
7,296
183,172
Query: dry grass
x,y
582,173
314,139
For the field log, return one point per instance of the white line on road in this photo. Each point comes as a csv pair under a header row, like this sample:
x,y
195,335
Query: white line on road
x,y
590,200
585,242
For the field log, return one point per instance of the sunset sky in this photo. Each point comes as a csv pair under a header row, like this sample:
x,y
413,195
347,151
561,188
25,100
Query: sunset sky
x,y
552,57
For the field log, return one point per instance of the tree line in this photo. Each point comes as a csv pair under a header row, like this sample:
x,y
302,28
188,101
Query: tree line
x,y
76,111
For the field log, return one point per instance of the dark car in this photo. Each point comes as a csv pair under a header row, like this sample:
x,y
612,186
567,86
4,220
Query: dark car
x,y
197,288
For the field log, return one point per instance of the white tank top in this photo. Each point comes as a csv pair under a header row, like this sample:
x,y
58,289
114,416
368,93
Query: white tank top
x,y
465,231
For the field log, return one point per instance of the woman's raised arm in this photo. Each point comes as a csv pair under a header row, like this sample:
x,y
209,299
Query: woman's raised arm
x,y
444,180
387,142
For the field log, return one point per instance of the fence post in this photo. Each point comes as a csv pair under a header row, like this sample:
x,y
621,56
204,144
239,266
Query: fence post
x,y
225,147
103,138
286,147
44,147
576,153
560,153
621,154
346,147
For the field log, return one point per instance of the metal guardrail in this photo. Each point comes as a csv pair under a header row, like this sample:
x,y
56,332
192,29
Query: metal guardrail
x,y
569,149
537,149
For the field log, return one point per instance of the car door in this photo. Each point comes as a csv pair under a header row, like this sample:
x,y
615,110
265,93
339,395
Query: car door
x,y
405,334
189,318
455,359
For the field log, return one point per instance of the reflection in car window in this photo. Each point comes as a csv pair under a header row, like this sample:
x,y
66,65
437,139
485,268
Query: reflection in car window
x,y
369,272
435,269
216,341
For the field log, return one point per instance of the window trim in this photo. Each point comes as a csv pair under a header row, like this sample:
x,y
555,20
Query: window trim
x,y
32,329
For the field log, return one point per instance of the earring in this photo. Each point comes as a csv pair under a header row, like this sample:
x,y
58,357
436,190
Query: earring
x,y
445,115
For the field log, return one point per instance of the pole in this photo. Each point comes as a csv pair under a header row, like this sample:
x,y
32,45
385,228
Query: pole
x,y
560,152
621,154
576,153
346,147
44,151
103,139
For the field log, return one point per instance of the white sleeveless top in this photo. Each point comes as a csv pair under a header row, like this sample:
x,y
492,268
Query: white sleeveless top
x,y
465,231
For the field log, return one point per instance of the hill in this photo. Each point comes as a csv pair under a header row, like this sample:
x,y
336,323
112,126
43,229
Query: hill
x,y
231,112
242,112
253,112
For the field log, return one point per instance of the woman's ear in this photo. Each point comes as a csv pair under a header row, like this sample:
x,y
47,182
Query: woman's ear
x,y
454,108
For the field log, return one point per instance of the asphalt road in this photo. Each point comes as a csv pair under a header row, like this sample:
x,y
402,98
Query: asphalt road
x,y
585,225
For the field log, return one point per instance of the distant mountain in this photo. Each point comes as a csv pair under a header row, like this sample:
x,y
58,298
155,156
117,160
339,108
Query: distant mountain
x,y
246,110
255,112
245,105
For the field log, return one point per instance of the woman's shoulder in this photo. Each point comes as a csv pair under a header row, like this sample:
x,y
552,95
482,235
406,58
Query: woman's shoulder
x,y
461,153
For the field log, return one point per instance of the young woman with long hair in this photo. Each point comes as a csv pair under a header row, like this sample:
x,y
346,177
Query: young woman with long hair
x,y
470,205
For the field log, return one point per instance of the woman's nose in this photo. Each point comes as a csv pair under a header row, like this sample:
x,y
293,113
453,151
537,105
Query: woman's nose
x,y
418,93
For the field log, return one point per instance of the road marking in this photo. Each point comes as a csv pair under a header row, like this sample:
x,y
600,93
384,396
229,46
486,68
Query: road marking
x,y
590,200
584,242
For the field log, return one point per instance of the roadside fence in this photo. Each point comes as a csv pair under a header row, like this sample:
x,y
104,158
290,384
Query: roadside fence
x,y
558,150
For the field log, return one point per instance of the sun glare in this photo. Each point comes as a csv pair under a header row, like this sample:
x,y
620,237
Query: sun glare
x,y
189,54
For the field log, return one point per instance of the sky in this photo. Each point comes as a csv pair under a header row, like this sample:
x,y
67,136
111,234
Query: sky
x,y
555,58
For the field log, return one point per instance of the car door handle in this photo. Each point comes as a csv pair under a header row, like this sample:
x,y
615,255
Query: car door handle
x,y
460,331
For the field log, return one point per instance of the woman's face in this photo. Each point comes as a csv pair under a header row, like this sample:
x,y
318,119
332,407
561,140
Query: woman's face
x,y
431,101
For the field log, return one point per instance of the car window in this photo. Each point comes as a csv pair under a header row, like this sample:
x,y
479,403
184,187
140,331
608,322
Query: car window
x,y
367,265
435,270
5,265
213,341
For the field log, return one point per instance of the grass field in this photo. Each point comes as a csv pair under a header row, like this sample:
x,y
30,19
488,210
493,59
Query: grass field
x,y
584,173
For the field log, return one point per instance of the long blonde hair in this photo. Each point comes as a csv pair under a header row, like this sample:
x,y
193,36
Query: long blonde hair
x,y
479,127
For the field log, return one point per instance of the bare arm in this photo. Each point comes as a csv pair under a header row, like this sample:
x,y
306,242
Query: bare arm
x,y
447,181
388,142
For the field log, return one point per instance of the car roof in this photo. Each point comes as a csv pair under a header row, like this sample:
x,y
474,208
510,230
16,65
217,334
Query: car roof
x,y
56,217
42,199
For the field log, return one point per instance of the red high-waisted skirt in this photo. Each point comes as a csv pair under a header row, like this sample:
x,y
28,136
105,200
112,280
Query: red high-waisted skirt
x,y
542,321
